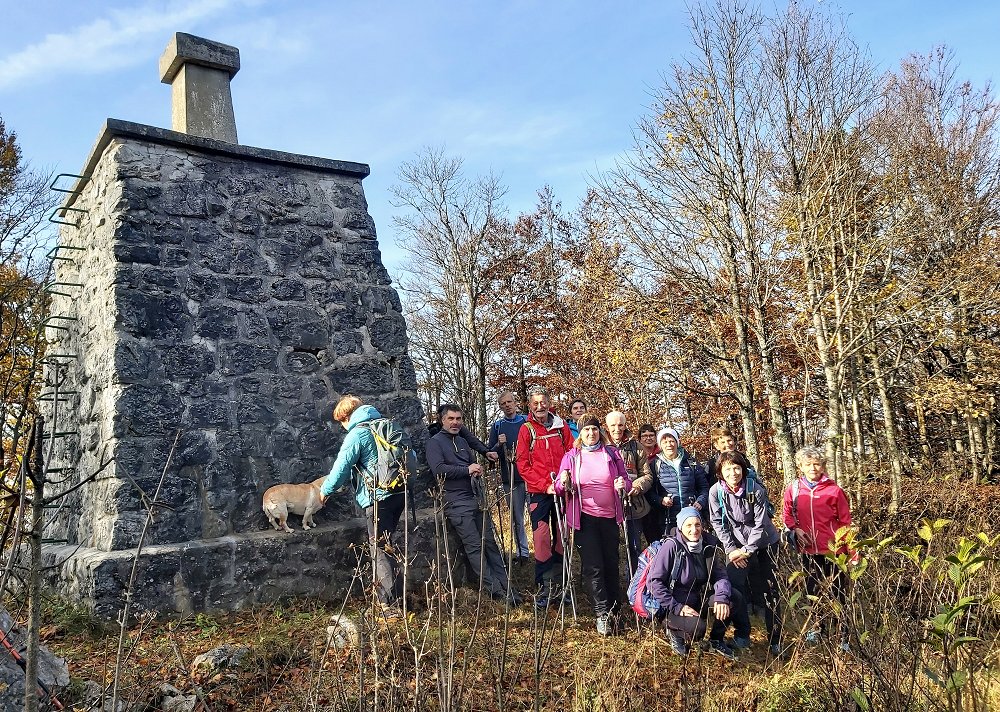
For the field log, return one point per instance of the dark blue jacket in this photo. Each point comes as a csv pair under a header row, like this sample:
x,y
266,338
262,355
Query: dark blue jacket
x,y
686,487
449,457
510,428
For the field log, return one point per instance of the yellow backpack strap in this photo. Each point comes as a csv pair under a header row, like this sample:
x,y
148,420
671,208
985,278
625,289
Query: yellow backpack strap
x,y
380,440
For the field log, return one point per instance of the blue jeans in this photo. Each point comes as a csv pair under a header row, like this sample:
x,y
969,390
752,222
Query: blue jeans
x,y
515,498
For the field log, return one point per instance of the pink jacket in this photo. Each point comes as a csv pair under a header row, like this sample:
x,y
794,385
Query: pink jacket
x,y
819,511
616,469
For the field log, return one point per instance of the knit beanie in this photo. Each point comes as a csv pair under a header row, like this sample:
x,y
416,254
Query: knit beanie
x,y
671,432
686,514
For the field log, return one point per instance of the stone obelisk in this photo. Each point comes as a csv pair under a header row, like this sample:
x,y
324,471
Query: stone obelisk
x,y
229,296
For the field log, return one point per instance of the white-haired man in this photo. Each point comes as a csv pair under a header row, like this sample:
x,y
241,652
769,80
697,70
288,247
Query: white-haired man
x,y
639,472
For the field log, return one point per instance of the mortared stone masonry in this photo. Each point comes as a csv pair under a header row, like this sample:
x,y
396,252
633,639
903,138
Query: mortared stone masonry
x,y
228,297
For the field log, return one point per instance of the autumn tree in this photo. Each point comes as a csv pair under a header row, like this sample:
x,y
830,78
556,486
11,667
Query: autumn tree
x,y
469,277
943,141
695,193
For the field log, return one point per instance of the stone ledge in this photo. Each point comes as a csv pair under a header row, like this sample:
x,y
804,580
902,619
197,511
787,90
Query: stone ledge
x,y
141,132
228,573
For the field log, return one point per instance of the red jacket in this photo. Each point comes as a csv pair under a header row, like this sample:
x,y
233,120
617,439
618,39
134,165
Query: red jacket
x,y
540,450
819,511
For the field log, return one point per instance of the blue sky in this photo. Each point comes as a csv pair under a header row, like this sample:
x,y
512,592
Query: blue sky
x,y
540,92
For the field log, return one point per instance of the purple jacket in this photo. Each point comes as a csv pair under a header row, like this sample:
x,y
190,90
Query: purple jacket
x,y
687,590
616,469
740,520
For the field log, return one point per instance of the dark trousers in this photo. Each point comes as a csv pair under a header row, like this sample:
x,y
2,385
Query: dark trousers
x,y
823,576
382,519
635,547
474,528
654,524
759,587
693,628
545,534
599,538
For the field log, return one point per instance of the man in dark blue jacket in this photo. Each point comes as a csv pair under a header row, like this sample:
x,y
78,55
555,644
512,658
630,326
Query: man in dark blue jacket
x,y
450,457
503,440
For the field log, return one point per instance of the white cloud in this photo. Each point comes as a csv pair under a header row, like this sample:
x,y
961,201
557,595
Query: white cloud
x,y
529,132
122,38
477,127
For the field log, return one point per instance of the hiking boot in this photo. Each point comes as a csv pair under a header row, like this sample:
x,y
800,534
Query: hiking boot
x,y
551,595
741,643
604,626
719,647
677,643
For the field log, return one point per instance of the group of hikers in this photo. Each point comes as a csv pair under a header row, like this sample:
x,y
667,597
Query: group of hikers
x,y
711,547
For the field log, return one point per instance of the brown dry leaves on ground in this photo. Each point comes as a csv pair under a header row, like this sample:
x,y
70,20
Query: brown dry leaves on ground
x,y
289,668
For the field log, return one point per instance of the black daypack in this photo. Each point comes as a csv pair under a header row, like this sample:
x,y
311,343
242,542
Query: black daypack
x,y
395,456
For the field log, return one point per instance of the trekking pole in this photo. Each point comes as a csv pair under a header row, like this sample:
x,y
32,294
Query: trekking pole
x,y
497,493
525,512
562,573
562,526
482,499
626,513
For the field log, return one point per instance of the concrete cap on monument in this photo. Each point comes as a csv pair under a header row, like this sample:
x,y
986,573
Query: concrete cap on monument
x,y
199,71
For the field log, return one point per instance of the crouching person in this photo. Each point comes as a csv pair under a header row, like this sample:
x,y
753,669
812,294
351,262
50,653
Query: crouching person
x,y
357,460
450,457
688,579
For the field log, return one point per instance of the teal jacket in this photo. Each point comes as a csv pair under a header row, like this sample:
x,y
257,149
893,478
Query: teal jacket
x,y
358,454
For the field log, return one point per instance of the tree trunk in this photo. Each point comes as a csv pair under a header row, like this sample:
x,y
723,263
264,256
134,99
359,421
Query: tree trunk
x,y
925,444
779,417
751,445
34,587
891,442
747,389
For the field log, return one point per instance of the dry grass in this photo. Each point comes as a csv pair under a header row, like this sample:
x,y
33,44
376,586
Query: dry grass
x,y
527,661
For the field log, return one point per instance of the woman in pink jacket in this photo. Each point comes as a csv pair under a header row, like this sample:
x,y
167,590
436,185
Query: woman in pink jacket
x,y
592,478
815,507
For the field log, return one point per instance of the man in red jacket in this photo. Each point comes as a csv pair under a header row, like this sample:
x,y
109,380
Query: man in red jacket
x,y
541,443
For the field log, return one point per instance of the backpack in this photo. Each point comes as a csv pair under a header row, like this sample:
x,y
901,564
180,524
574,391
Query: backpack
x,y
395,456
641,599
533,435
643,602
753,477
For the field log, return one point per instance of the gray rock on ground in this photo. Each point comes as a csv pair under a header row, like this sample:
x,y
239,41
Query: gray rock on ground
x,y
216,659
173,700
52,670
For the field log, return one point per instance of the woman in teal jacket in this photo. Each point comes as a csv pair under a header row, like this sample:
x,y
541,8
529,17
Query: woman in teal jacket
x,y
358,460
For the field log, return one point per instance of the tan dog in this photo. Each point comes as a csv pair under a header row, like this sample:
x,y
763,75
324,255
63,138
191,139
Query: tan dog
x,y
282,500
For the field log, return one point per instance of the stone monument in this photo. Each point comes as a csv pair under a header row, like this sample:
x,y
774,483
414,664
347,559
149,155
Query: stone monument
x,y
219,297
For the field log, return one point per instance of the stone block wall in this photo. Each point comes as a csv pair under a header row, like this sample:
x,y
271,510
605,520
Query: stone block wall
x,y
230,295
